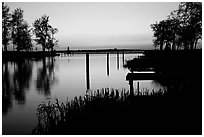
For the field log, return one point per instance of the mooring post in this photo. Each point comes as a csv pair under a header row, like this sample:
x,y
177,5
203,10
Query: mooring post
x,y
123,58
87,71
138,88
108,64
117,60
131,87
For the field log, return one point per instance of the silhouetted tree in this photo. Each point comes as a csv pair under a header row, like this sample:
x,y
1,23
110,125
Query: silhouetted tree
x,y
20,31
166,33
190,16
23,37
182,28
16,21
171,33
52,41
159,34
5,26
44,33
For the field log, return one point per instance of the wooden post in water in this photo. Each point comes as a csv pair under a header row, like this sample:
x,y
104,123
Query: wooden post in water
x,y
138,87
131,87
117,60
87,71
123,58
108,64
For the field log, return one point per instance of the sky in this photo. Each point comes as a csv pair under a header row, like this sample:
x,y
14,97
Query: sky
x,y
94,25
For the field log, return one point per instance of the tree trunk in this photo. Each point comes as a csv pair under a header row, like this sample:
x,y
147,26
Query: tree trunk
x,y
185,46
196,41
178,47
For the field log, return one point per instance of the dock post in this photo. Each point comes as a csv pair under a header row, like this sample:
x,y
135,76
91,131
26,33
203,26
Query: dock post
x,y
131,87
138,88
123,58
108,64
117,60
87,71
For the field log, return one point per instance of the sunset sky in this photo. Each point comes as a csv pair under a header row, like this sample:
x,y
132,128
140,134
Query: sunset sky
x,y
99,24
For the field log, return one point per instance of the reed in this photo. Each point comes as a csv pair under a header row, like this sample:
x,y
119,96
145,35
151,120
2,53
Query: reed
x,y
56,117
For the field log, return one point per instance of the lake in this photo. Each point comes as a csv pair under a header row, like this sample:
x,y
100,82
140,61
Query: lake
x,y
28,83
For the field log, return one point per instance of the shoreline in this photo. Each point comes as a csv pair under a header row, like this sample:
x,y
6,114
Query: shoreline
x,y
15,55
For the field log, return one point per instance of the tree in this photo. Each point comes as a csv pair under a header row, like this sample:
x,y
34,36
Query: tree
x,y
190,14
52,41
183,27
44,33
159,34
23,37
20,31
17,19
5,26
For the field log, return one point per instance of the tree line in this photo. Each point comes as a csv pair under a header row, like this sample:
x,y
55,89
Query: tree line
x,y
181,30
16,31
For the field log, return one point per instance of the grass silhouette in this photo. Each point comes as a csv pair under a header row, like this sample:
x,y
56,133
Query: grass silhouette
x,y
109,111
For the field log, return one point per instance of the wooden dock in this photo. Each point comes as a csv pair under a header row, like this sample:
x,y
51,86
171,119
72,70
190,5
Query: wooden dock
x,y
152,76
141,76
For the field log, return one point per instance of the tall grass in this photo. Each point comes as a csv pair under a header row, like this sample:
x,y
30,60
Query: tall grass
x,y
55,118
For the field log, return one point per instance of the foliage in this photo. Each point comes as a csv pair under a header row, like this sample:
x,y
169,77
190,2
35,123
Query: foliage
x,y
183,28
23,37
20,31
5,26
15,28
44,33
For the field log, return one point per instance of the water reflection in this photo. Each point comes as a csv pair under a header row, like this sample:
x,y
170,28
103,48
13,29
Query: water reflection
x,y
74,75
46,76
22,76
16,80
6,89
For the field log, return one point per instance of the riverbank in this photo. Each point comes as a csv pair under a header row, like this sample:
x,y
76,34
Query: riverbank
x,y
108,112
177,111
14,55
179,61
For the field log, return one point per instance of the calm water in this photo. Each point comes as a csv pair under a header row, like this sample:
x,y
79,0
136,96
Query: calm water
x,y
27,84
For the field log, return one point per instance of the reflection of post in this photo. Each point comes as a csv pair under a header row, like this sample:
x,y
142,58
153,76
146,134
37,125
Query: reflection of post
x,y
108,64
117,60
44,64
131,86
87,71
138,88
123,58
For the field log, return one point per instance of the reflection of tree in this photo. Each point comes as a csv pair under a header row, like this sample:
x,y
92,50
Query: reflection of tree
x,y
6,89
21,77
15,84
46,76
